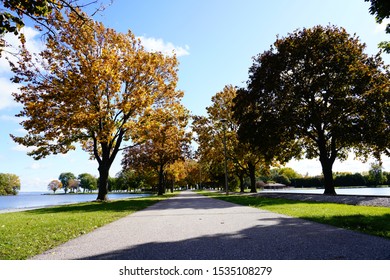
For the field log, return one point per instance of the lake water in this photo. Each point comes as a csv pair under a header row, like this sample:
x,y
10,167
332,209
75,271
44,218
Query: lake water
x,y
26,200
346,191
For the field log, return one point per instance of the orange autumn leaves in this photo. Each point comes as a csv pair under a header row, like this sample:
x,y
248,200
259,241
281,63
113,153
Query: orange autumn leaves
x,y
92,85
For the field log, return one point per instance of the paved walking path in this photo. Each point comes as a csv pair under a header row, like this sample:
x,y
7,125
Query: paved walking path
x,y
191,226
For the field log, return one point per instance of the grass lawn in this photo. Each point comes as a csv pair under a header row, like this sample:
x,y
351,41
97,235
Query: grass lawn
x,y
367,219
28,233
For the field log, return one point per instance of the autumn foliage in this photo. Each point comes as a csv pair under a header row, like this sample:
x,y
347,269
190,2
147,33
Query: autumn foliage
x,y
91,85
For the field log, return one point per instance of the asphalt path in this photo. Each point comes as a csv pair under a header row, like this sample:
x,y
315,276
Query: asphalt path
x,y
191,226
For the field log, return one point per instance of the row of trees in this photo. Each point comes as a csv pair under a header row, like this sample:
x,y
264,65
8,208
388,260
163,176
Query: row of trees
x,y
9,184
68,182
374,177
177,175
321,108
314,93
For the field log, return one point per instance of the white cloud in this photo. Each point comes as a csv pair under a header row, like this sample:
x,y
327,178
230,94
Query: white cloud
x,y
21,148
34,183
167,48
33,44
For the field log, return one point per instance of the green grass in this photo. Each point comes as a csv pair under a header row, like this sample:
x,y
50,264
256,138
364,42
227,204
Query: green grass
x,y
367,219
28,233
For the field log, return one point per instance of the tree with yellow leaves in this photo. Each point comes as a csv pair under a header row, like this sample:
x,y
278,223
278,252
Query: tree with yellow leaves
x,y
164,140
211,130
91,85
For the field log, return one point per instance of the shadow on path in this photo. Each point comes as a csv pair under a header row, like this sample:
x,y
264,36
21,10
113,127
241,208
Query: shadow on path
x,y
191,226
273,239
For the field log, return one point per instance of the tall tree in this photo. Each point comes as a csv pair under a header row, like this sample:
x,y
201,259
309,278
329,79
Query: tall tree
x,y
65,178
211,132
316,90
91,85
164,140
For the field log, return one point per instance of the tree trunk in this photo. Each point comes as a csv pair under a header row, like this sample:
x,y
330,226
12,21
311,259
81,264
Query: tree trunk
x,y
161,180
241,178
103,182
105,160
328,176
173,186
252,176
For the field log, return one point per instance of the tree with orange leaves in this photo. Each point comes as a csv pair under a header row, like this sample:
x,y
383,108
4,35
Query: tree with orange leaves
x,y
164,140
91,85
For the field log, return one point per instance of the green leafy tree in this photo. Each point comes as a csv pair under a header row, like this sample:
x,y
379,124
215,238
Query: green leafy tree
x,y
65,178
381,10
349,179
284,175
317,92
87,182
9,184
14,12
376,176
112,184
136,179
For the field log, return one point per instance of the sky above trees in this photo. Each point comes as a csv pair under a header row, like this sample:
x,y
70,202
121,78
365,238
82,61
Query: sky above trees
x,y
214,41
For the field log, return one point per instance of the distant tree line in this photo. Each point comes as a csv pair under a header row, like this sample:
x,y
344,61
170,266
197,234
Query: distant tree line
x,y
374,177
9,184
68,182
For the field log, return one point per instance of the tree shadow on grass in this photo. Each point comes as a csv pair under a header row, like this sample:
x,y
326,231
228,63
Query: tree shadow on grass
x,y
134,204
378,225
375,225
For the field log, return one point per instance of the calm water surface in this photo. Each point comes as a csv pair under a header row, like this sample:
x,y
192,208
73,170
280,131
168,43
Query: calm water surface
x,y
25,200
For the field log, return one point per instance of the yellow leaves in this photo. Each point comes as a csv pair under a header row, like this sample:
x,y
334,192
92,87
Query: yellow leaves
x,y
94,86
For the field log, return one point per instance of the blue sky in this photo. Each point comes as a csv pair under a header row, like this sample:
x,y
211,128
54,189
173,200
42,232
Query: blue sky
x,y
215,41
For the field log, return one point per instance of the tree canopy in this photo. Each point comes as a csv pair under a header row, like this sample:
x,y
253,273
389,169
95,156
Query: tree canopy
x,y
54,185
12,12
91,85
87,182
163,139
65,178
317,92
9,184
13,15
210,132
381,10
